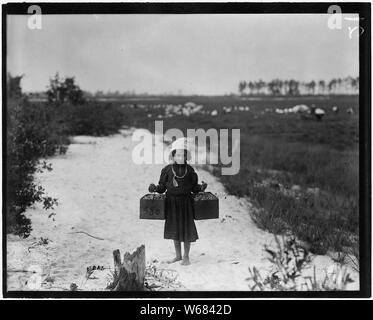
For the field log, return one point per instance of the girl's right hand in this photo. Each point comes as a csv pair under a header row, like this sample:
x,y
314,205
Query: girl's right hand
x,y
152,187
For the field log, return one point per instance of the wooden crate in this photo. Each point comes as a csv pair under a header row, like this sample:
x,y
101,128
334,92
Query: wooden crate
x,y
206,206
152,206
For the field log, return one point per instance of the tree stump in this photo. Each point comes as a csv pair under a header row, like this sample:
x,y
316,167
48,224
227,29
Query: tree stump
x,y
129,274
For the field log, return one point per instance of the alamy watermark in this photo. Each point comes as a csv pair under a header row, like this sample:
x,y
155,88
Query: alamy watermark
x,y
34,22
335,21
150,150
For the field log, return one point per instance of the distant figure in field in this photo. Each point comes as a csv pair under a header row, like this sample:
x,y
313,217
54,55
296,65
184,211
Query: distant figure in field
x,y
350,111
319,114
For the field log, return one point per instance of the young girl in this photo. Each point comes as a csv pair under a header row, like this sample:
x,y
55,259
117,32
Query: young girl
x,y
180,180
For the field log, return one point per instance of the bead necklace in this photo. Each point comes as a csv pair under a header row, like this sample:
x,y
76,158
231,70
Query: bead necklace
x,y
174,182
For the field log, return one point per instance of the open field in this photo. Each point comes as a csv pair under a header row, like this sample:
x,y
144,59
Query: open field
x,y
301,174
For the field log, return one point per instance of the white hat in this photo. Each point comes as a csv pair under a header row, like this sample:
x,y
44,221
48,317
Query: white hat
x,y
181,143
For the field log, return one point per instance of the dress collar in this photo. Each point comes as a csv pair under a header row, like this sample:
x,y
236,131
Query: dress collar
x,y
179,165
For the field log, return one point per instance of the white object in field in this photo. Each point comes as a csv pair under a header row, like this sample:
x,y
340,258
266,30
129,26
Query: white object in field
x,y
319,111
214,112
350,111
186,112
247,108
198,108
189,104
301,108
335,109
227,109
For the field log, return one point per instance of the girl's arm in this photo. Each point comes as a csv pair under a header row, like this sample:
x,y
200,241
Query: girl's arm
x,y
195,186
161,187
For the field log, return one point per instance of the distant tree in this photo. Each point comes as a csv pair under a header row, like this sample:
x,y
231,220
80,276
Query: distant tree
x,y
312,86
64,90
293,87
321,86
286,87
241,87
280,85
355,84
332,86
99,93
255,87
261,85
13,85
251,87
275,87
339,85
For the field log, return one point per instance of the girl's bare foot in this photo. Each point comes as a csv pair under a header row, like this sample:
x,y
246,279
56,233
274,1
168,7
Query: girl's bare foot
x,y
174,260
185,261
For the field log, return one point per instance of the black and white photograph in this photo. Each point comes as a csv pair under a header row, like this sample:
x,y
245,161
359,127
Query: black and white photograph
x,y
180,150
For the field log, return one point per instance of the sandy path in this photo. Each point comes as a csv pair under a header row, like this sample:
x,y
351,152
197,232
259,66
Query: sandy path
x,y
99,187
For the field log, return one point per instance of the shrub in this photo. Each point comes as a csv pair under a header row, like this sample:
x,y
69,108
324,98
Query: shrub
x,y
64,90
93,118
289,260
40,130
30,136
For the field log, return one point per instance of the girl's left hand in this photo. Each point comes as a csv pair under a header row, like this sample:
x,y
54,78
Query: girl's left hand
x,y
152,187
203,186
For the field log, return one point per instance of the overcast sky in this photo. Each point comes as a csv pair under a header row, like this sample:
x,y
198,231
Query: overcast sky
x,y
202,54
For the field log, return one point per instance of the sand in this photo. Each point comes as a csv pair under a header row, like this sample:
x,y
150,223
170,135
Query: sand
x,y
98,189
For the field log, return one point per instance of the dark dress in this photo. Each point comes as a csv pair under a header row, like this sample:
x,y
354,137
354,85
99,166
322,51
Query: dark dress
x,y
179,203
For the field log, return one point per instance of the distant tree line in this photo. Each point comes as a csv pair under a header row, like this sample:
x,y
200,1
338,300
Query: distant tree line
x,y
348,85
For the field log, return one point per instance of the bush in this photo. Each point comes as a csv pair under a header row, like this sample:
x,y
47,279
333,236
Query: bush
x,y
288,261
40,130
64,90
31,135
36,131
93,118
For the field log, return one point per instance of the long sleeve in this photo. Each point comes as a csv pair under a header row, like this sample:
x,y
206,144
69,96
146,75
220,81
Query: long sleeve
x,y
161,187
195,186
